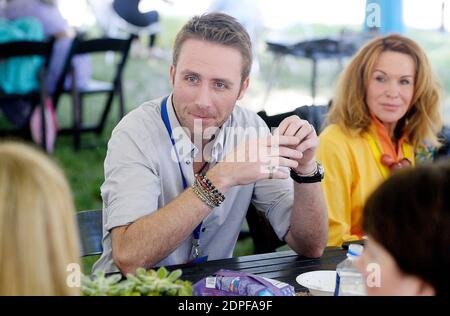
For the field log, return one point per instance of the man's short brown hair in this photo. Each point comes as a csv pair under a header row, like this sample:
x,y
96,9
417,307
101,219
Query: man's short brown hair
x,y
217,28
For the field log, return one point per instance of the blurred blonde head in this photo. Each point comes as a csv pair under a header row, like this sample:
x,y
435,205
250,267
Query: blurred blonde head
x,y
38,236
349,109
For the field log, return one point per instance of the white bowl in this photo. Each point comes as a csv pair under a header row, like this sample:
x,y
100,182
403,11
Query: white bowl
x,y
319,283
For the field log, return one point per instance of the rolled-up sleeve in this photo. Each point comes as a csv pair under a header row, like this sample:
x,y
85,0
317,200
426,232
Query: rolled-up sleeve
x,y
132,184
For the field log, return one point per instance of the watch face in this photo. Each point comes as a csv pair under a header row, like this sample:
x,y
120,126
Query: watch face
x,y
320,169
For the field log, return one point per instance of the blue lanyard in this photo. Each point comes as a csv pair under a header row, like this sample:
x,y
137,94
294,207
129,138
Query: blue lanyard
x,y
196,232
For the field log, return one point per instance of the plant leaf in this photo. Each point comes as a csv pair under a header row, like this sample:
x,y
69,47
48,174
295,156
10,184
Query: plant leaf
x,y
162,273
174,275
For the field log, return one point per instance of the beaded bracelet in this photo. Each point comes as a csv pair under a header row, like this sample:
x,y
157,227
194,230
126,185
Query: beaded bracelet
x,y
202,197
206,191
210,188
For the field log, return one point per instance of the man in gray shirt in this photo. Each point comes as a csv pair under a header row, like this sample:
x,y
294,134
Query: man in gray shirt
x,y
181,171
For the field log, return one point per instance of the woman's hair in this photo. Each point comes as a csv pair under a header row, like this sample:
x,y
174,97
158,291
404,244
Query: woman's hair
x,y
409,215
349,109
38,236
218,28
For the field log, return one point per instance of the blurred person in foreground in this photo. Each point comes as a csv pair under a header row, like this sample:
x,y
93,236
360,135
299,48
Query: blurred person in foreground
x,y
407,221
385,116
38,235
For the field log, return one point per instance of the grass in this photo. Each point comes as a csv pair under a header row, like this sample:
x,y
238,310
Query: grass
x,y
145,79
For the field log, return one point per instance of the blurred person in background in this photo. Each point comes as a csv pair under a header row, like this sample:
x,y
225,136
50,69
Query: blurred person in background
x,y
116,17
248,13
386,115
38,232
47,13
130,12
54,25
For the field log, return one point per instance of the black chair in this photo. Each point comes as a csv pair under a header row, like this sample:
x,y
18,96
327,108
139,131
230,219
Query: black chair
x,y
90,227
314,114
444,151
111,89
274,121
35,98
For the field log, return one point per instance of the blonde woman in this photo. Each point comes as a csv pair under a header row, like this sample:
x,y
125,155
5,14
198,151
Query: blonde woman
x,y
385,116
38,236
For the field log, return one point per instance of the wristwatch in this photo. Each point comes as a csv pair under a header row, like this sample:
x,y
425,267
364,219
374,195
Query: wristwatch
x,y
316,177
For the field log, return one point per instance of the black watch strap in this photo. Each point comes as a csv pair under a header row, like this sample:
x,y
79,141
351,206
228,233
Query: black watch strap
x,y
316,177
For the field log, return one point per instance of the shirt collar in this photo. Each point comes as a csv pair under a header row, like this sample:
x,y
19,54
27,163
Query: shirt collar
x,y
217,148
183,143
185,147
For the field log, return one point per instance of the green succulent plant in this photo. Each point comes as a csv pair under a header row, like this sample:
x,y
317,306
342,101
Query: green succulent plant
x,y
143,283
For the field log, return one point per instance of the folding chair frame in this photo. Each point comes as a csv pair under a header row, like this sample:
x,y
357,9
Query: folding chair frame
x,y
23,49
80,46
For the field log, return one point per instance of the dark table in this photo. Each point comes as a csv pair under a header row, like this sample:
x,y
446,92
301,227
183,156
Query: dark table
x,y
331,47
284,266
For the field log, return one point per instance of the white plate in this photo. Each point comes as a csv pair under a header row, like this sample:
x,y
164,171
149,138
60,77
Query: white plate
x,y
319,283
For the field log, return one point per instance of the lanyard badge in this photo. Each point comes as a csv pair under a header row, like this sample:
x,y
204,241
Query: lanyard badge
x,y
195,251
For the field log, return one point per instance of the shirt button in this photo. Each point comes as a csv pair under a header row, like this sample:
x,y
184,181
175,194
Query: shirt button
x,y
203,229
188,162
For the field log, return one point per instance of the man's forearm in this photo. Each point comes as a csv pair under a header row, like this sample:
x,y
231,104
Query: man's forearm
x,y
309,220
152,238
